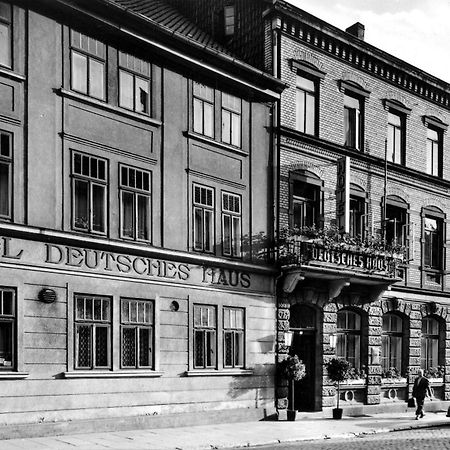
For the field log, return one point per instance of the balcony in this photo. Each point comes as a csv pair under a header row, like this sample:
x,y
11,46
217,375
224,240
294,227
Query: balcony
x,y
329,256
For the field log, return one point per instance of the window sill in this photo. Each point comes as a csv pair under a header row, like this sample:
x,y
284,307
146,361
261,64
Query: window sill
x,y
436,381
354,383
13,375
219,373
110,374
211,141
393,382
11,74
115,109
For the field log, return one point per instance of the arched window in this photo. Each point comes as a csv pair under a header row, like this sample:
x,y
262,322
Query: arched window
x,y
430,348
348,343
391,343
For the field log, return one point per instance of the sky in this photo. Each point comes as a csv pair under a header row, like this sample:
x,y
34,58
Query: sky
x,y
416,31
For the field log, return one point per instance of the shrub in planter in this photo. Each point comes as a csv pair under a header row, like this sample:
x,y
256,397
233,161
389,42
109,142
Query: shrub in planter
x,y
338,371
292,369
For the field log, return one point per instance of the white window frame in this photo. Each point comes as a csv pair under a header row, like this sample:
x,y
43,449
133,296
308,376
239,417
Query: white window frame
x,y
6,159
231,129
235,330
206,328
203,103
205,210
234,215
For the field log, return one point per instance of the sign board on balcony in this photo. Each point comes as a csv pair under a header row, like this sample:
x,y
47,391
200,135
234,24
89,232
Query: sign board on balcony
x,y
343,194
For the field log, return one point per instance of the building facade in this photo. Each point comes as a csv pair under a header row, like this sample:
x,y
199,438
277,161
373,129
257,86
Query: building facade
x,y
363,194
135,187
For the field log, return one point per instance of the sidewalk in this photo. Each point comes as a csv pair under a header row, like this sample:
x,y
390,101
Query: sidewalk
x,y
233,435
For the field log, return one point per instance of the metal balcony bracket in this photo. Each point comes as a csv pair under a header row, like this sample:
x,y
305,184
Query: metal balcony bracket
x,y
291,280
335,287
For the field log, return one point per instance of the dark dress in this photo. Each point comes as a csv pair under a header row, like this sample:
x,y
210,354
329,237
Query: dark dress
x,y
420,389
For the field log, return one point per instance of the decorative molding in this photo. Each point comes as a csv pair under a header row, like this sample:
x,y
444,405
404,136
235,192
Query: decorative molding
x,y
370,60
309,57
214,143
216,179
434,122
355,78
12,75
112,374
218,373
397,106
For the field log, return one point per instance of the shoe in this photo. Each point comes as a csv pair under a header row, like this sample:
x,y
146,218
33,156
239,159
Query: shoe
x,y
417,417
421,416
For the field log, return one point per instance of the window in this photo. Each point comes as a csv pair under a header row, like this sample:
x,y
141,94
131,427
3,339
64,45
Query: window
x,y
5,34
353,121
203,211
7,329
231,224
89,181
88,62
392,343
203,109
396,224
205,338
134,83
231,120
136,318
92,332
306,105
233,337
5,175
229,20
432,227
135,197
357,216
429,357
305,204
348,342
434,152
396,138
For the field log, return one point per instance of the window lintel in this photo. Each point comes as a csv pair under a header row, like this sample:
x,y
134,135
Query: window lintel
x,y
396,106
353,88
308,68
434,122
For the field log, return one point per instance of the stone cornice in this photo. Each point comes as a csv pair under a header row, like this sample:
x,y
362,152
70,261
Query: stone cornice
x,y
330,40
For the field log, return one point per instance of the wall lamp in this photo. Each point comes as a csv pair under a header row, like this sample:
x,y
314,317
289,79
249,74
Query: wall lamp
x,y
333,339
288,338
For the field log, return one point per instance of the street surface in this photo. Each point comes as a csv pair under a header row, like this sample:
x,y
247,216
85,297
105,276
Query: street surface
x,y
420,439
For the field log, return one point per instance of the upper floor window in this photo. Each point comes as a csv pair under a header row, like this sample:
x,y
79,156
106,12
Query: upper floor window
x,y
434,152
5,175
357,213
229,20
7,329
233,337
433,242
92,332
203,218
305,203
396,138
231,119
203,109
392,336
396,222
348,342
205,339
352,121
231,224
306,105
89,184
134,83
88,65
135,202
136,318
5,34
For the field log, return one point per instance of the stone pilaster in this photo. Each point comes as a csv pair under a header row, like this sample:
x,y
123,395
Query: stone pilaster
x,y
282,388
374,366
329,328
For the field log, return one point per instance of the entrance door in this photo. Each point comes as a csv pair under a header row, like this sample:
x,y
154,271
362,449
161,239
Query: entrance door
x,y
303,324
304,345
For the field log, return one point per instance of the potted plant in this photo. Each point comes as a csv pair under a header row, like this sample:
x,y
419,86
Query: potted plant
x,y
292,369
338,369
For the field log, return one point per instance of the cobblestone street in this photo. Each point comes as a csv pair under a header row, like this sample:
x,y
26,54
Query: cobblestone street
x,y
423,439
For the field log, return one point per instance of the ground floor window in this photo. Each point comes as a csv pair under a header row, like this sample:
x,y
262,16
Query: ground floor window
x,y
391,345
348,342
205,336
233,337
7,328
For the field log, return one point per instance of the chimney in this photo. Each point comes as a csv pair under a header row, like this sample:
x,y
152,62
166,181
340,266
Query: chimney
x,y
357,30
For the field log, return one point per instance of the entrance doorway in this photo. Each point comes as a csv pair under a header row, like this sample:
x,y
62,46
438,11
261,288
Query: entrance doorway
x,y
303,324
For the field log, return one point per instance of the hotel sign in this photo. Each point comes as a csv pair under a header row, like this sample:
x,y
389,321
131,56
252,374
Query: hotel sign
x,y
343,194
71,259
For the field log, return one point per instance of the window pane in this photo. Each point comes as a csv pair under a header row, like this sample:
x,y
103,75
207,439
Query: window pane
x,y
79,72
98,208
101,346
300,113
6,344
106,310
83,344
125,90
226,235
96,79
236,130
198,229
209,120
4,190
238,349
97,309
142,95
210,348
144,347
81,212
199,348
228,349
305,83
127,214
209,233
198,116
226,126
5,45
143,217
236,236
7,303
5,145
128,347
310,114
